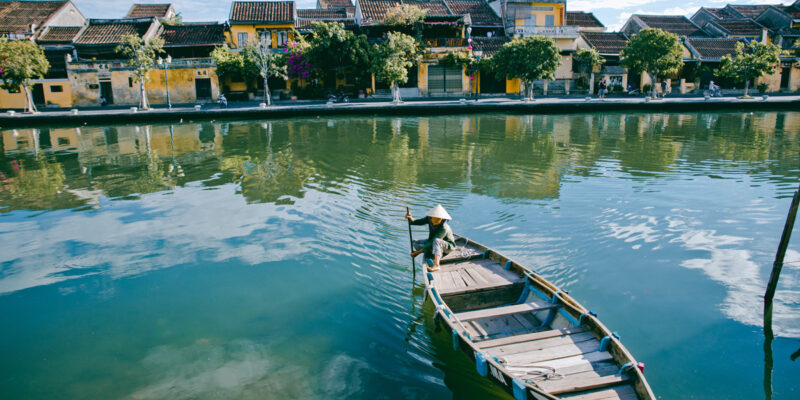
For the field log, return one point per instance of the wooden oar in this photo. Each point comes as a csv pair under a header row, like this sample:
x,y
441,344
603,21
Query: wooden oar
x,y
411,242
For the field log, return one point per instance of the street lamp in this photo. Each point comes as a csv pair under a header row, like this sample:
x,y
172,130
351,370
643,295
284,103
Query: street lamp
x,y
165,63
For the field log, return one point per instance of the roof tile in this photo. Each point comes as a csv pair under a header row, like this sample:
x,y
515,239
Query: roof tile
x,y
478,10
59,34
712,49
606,42
196,34
744,27
374,11
488,46
262,12
149,10
750,11
111,31
583,19
433,7
18,16
677,24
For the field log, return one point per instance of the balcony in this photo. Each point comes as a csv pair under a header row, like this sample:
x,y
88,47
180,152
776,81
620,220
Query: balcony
x,y
446,42
555,32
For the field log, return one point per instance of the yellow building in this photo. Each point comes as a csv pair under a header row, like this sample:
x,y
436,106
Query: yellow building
x,y
268,21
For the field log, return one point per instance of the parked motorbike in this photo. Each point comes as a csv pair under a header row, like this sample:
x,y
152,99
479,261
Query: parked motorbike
x,y
338,97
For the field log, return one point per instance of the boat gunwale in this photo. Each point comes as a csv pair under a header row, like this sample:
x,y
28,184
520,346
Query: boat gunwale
x,y
615,347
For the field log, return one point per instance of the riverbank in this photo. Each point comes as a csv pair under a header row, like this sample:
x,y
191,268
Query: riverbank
x,y
250,111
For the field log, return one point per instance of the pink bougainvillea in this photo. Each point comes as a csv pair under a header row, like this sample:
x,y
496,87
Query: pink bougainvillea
x,y
297,66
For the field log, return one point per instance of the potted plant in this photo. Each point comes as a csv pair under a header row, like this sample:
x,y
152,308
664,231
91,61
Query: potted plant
x,y
762,88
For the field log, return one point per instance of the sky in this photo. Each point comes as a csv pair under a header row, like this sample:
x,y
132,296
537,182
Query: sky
x,y
612,13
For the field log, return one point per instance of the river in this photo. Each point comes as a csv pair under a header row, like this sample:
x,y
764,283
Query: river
x,y
269,259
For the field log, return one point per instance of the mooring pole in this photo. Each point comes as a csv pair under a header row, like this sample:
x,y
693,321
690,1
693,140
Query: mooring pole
x,y
411,241
784,243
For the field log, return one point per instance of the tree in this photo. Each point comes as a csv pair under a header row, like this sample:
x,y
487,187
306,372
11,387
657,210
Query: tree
x,y
332,48
142,57
393,58
587,60
234,66
529,59
269,64
654,52
751,61
405,16
22,62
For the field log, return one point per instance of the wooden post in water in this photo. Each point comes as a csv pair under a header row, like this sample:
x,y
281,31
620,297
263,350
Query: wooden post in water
x,y
784,243
770,294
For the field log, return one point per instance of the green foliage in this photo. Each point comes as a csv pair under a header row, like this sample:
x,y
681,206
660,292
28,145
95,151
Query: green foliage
x,y
404,15
529,59
762,87
267,63
141,56
455,58
22,62
588,59
394,57
653,51
234,66
332,48
750,61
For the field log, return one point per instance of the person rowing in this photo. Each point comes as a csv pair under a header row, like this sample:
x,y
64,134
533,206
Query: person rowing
x,y
440,239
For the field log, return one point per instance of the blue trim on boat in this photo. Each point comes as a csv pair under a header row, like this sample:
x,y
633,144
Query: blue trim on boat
x,y
624,366
508,265
481,364
455,339
520,391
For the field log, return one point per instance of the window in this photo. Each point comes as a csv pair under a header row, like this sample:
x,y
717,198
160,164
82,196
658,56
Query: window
x,y
283,38
62,141
130,82
266,38
549,20
242,39
56,89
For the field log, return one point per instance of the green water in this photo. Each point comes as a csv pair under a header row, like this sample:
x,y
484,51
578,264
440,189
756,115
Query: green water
x,y
269,259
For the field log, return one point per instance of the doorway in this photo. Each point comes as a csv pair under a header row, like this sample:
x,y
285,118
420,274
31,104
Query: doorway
x,y
106,92
202,88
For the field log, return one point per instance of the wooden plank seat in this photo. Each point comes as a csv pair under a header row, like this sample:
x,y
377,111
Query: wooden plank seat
x,y
502,311
464,251
485,344
471,276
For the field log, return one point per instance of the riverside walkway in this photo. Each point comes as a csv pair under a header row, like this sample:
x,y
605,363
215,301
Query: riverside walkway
x,y
289,109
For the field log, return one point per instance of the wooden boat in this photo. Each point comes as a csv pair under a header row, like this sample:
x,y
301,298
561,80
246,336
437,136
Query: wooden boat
x,y
528,335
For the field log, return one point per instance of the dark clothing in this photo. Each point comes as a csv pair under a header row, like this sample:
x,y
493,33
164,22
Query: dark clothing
x,y
441,231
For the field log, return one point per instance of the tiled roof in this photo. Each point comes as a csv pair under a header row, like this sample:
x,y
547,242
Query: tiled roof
x,y
262,11
722,13
433,7
793,11
321,14
17,16
750,11
149,10
712,49
335,4
743,27
583,19
478,10
677,24
59,34
488,46
606,42
111,31
375,10
205,34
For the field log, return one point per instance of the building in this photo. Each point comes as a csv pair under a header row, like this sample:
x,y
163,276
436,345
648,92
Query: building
x,y
52,24
268,21
99,73
160,11
609,45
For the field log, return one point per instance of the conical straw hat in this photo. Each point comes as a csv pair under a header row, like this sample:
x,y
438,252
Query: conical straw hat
x,y
438,212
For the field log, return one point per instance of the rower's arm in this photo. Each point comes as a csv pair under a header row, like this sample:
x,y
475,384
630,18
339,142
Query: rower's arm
x,y
421,221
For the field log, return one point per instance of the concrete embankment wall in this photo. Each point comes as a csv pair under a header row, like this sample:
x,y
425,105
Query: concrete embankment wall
x,y
113,117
